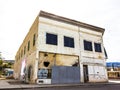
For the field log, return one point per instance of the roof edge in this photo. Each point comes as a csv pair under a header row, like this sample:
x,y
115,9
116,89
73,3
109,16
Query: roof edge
x,y
70,21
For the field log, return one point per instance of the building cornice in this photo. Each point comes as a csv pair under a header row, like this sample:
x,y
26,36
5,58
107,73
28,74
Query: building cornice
x,y
70,21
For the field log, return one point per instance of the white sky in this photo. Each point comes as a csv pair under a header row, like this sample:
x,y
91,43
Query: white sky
x,y
17,16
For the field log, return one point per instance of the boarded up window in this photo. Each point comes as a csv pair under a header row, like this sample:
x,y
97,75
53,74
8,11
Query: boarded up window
x,y
28,45
68,42
65,74
97,47
34,39
24,50
88,45
51,39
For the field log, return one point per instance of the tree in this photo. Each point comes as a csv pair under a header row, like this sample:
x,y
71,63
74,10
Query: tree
x,y
5,66
9,63
1,62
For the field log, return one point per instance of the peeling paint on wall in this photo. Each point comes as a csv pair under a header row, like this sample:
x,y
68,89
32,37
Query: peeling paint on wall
x,y
47,60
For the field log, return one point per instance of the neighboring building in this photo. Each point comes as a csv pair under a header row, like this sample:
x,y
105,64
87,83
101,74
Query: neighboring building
x,y
7,67
61,50
113,69
8,72
9,61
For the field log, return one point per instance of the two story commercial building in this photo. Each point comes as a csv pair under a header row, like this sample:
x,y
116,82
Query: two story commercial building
x,y
61,50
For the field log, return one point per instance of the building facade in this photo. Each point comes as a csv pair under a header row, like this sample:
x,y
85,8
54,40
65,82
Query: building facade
x,y
61,50
113,70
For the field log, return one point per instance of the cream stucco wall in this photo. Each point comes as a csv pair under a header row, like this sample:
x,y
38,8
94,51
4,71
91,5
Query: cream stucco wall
x,y
95,60
30,55
61,30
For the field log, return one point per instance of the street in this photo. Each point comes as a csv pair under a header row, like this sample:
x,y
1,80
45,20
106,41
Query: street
x,y
17,85
94,87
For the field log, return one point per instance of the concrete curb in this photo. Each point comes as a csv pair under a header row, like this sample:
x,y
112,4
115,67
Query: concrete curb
x,y
15,87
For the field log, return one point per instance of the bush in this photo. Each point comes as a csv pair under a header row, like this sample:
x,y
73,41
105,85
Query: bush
x,y
10,77
0,72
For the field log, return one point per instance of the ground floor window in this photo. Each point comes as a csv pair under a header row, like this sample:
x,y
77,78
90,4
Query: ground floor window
x,y
44,73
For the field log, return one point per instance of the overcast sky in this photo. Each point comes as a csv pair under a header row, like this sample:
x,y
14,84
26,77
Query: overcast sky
x,y
17,16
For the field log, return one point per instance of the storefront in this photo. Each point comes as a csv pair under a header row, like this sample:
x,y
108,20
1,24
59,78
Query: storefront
x,y
57,68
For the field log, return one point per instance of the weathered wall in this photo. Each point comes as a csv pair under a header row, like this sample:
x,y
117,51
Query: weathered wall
x,y
97,73
29,54
94,37
57,60
79,34
61,29
95,60
30,61
17,67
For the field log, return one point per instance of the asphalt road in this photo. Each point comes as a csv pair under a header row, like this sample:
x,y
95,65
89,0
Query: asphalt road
x,y
94,87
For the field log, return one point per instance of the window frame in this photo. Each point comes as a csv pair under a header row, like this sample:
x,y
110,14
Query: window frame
x,y
88,45
97,47
24,50
34,39
69,42
28,48
51,39
21,53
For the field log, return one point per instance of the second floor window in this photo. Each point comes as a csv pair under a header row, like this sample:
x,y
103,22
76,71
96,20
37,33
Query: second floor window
x,y
51,39
88,45
24,50
21,53
97,47
34,39
68,42
28,45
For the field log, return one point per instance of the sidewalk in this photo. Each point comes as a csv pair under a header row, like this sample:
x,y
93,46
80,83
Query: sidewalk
x,y
5,85
114,81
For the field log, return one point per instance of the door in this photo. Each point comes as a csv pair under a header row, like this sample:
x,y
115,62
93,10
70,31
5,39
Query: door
x,y
85,73
29,73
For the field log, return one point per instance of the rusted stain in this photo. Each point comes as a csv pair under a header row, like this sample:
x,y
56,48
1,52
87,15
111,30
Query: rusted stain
x,y
56,59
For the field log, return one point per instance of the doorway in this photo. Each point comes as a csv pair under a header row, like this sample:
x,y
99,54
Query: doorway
x,y
30,73
85,73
